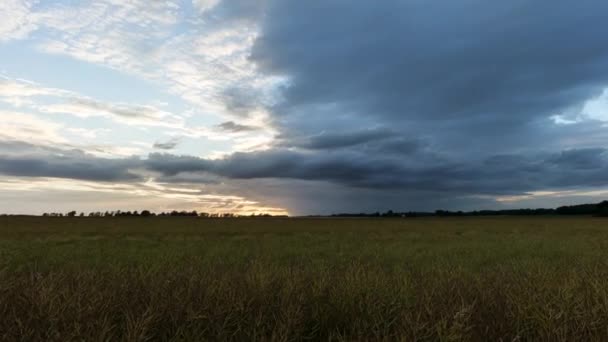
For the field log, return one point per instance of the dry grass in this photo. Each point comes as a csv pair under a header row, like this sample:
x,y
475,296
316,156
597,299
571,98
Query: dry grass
x,y
186,279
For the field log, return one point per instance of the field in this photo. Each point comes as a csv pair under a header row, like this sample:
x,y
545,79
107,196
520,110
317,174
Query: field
x,y
191,279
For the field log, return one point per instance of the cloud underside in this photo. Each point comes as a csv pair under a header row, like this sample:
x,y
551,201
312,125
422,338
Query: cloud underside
x,y
495,175
448,99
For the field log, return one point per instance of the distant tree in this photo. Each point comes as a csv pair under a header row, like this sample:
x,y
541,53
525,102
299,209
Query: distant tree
x,y
442,213
388,214
145,213
71,213
602,208
581,209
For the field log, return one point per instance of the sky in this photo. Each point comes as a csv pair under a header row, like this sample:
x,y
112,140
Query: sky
x,y
302,107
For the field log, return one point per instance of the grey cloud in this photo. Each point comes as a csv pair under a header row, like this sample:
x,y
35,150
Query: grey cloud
x,y
121,110
470,87
397,59
270,164
332,140
322,197
233,127
503,174
248,11
23,159
17,147
403,101
372,141
401,145
191,178
243,99
167,145
379,176
585,159
172,165
74,167
476,77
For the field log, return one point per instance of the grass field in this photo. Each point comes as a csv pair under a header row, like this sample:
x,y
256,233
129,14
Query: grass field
x,y
189,279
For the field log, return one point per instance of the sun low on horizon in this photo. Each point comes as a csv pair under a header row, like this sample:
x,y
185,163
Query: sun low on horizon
x,y
301,107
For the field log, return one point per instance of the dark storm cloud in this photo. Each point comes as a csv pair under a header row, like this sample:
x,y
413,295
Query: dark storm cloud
x,y
471,77
346,168
587,159
325,140
497,175
468,86
440,60
379,141
381,176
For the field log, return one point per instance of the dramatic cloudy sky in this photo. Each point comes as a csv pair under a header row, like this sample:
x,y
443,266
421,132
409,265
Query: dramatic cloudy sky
x,y
315,106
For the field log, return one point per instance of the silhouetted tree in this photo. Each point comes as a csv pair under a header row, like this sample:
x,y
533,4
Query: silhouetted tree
x,y
602,208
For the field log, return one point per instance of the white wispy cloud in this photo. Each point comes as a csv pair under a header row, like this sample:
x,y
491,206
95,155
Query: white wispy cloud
x,y
204,5
23,93
16,126
121,112
196,59
30,123
19,93
118,34
16,19
28,96
86,133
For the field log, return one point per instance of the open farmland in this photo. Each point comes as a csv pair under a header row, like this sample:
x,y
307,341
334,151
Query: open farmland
x,y
280,279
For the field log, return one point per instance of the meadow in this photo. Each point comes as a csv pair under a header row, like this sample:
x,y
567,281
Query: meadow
x,y
298,279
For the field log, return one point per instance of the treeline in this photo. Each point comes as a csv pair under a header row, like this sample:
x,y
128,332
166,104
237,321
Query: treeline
x,y
597,209
147,213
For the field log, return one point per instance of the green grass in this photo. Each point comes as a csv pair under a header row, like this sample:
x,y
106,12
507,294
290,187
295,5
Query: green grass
x,y
189,279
